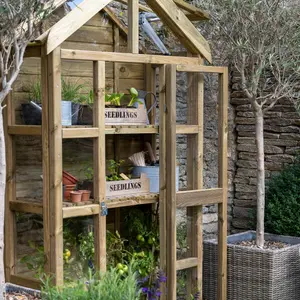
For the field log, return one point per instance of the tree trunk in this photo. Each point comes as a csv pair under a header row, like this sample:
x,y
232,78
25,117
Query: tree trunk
x,y
2,201
260,189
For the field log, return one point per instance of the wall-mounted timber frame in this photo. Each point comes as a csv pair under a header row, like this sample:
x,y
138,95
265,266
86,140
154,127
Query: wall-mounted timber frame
x,y
193,199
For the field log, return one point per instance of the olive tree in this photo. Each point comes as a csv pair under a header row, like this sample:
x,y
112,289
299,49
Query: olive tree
x,y
261,39
19,24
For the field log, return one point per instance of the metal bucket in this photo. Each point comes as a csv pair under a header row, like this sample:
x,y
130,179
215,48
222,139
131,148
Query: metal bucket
x,y
66,113
153,175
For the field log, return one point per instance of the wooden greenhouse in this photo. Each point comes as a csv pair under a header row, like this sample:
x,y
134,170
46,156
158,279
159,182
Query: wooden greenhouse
x,y
91,42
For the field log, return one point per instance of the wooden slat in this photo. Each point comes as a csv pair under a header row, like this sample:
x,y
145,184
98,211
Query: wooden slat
x,y
80,211
99,164
187,129
171,179
133,26
25,129
55,156
116,65
222,183
180,25
199,197
162,174
77,133
192,9
73,21
200,68
195,112
46,159
26,281
127,203
186,263
128,57
27,207
131,129
10,194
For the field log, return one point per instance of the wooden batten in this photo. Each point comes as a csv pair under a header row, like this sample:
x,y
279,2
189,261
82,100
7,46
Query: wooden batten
x,y
171,179
133,26
222,183
55,174
99,164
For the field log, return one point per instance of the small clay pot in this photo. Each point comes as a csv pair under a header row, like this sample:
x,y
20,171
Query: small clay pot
x,y
68,189
85,195
69,179
76,196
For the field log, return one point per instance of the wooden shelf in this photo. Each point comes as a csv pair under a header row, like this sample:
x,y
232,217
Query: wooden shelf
x,y
72,132
89,208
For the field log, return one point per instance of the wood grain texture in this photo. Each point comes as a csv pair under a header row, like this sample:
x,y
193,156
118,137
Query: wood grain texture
x,y
99,164
186,263
171,179
222,183
128,57
199,197
133,26
55,156
200,68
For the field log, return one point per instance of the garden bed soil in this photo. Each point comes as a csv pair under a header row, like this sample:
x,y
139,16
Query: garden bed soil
x,y
21,296
272,273
16,292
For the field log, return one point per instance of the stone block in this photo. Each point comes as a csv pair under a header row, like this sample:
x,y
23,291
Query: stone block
x,y
291,115
245,196
281,142
242,212
209,218
245,107
243,172
238,101
245,128
244,203
246,140
279,121
239,94
273,165
245,188
273,114
283,158
242,180
242,223
292,150
247,155
210,228
244,121
246,164
290,129
245,114
290,136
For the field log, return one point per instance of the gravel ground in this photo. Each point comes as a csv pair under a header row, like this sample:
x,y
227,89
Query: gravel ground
x,y
271,245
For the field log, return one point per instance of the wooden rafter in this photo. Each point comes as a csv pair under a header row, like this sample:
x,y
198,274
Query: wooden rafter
x,y
193,13
181,26
72,22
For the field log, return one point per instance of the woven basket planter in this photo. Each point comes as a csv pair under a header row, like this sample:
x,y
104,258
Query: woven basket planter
x,y
254,274
13,288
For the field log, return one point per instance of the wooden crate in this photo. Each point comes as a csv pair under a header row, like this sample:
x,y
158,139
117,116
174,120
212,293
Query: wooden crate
x,y
128,187
126,116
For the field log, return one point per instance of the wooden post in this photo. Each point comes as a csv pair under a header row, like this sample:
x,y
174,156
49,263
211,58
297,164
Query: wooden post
x,y
46,162
55,144
99,163
10,193
162,172
195,177
171,179
222,183
133,26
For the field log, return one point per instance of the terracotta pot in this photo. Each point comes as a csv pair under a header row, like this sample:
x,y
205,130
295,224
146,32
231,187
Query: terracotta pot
x,y
69,179
85,195
76,196
68,189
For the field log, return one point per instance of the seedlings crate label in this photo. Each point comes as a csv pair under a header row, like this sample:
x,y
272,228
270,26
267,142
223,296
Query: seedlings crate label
x,y
126,116
128,187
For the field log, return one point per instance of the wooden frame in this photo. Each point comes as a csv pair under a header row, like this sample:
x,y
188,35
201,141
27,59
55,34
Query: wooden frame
x,y
52,134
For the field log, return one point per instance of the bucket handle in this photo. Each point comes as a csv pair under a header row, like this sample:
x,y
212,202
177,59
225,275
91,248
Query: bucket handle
x,y
154,104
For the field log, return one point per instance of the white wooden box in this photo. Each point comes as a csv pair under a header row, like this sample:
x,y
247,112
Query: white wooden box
x,y
128,187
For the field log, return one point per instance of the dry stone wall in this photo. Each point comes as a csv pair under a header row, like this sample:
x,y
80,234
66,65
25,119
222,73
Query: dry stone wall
x,y
282,141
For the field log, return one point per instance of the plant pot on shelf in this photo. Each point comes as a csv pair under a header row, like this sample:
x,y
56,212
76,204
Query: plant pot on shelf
x,y
85,195
68,189
75,196
152,173
69,179
30,114
253,273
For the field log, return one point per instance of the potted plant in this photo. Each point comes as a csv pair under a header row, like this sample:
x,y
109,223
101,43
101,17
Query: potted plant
x,y
31,111
261,40
120,108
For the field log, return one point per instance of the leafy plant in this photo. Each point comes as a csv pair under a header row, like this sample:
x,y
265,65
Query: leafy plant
x,y
283,201
110,286
71,91
35,93
86,246
114,99
89,173
134,97
114,170
35,261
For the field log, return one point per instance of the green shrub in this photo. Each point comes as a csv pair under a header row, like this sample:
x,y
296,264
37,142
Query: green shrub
x,y
283,201
111,286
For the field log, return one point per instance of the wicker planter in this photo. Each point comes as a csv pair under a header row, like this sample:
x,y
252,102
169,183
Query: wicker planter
x,y
13,288
255,274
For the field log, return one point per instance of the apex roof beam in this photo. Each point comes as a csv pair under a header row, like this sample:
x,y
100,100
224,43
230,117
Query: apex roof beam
x,y
73,21
193,10
176,20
